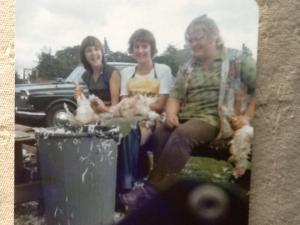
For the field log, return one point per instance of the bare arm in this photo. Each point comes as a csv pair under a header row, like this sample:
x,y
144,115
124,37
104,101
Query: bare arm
x,y
114,84
172,108
250,112
159,105
239,121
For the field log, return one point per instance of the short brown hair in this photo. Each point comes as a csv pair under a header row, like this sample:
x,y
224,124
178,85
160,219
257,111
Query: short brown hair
x,y
87,42
143,35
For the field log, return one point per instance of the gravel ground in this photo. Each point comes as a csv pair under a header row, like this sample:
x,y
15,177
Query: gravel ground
x,y
27,214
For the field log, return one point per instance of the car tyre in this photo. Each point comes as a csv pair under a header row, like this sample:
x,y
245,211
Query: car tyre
x,y
56,115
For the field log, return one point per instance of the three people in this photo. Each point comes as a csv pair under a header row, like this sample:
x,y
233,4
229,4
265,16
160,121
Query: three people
x,y
212,97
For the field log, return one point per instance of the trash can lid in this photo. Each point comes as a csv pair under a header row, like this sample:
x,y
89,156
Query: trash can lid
x,y
107,132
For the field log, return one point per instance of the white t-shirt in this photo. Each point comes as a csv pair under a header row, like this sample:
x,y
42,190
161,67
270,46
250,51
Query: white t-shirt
x,y
163,72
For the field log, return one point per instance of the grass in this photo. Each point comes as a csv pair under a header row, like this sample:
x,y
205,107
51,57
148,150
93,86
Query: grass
x,y
210,169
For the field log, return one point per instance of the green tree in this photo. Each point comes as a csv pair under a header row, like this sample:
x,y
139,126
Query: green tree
x,y
64,61
173,57
48,66
119,57
59,65
106,47
18,80
68,59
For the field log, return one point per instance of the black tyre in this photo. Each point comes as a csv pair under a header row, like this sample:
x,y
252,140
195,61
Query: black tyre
x,y
57,116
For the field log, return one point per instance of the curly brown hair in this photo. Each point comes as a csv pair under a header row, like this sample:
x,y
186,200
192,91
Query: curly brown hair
x,y
88,42
142,35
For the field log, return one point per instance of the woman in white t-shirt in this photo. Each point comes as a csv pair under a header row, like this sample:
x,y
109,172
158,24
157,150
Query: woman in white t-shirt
x,y
146,77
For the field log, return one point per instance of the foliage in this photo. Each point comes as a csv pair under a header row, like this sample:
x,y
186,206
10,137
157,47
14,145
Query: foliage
x,y
68,59
18,80
58,65
51,66
48,66
119,57
173,57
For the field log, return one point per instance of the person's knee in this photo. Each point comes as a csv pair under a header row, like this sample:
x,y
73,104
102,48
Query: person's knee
x,y
181,133
191,136
160,132
145,135
197,132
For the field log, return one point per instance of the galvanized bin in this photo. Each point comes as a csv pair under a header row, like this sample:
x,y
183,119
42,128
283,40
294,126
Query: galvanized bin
x,y
78,171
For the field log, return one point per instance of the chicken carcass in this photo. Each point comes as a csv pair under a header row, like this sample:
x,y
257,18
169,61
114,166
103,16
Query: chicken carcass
x,y
84,112
240,149
137,105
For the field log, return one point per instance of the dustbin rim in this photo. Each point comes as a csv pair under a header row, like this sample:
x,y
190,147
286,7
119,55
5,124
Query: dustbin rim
x,y
99,131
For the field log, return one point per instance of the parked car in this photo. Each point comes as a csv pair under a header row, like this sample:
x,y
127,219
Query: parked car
x,y
45,102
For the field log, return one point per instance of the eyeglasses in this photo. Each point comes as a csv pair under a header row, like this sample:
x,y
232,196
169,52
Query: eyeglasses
x,y
196,39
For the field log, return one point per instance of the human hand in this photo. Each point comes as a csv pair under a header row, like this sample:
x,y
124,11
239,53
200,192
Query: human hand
x,y
238,122
172,120
98,106
77,91
238,171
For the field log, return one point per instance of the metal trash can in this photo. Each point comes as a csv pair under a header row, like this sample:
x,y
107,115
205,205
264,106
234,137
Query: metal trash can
x,y
78,171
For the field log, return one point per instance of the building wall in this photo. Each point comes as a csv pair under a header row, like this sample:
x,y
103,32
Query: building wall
x,y
275,191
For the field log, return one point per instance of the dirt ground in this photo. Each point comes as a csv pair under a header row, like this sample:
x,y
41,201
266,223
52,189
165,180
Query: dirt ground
x,y
27,214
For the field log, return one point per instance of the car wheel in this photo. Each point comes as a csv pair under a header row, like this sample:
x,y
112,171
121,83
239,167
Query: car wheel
x,y
57,116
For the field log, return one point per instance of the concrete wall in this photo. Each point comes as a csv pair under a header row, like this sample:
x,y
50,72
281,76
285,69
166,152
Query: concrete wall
x,y
275,191
7,72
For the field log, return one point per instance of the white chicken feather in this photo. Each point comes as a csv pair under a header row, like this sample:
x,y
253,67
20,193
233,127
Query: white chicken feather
x,y
137,105
240,149
84,112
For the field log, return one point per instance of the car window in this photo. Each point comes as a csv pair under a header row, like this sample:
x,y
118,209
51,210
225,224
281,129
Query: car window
x,y
76,75
121,65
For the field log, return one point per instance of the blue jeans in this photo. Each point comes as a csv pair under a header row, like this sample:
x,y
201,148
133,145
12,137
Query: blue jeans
x,y
130,156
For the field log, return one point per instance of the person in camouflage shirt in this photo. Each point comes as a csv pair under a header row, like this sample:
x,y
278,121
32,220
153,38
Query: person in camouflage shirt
x,y
212,97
